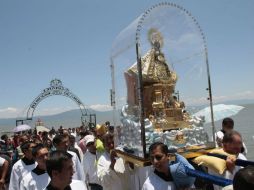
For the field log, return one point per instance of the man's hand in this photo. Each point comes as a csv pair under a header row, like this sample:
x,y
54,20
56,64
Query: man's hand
x,y
2,182
113,156
230,163
131,165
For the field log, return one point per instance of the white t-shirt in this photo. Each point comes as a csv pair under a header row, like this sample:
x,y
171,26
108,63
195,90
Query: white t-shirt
x,y
32,181
19,170
78,185
154,182
90,168
110,179
78,170
219,136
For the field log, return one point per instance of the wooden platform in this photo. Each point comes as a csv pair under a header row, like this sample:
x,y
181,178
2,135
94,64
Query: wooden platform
x,y
188,153
138,161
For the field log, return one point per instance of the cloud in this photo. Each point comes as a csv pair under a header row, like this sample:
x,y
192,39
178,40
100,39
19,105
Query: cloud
x,y
12,112
244,95
100,107
248,94
9,110
52,111
195,101
57,110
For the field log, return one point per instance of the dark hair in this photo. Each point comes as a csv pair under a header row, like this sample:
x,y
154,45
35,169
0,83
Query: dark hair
x,y
244,179
3,137
25,146
72,137
44,133
163,147
228,137
107,136
36,149
23,138
228,120
84,133
58,139
56,161
111,128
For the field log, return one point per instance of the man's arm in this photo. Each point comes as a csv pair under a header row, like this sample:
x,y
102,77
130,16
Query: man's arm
x,y
105,173
4,170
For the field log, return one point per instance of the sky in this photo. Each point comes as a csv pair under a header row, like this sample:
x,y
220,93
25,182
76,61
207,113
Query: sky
x,y
72,41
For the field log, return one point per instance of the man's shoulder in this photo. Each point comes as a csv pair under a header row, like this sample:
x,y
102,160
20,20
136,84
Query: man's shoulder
x,y
104,156
74,155
18,163
155,182
88,155
104,159
241,156
78,184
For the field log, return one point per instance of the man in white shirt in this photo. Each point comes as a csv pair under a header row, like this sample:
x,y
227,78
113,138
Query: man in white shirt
x,y
227,126
61,142
75,148
161,178
23,166
111,177
38,178
167,175
90,163
60,169
232,144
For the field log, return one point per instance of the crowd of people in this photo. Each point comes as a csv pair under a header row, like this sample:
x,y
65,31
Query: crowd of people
x,y
84,159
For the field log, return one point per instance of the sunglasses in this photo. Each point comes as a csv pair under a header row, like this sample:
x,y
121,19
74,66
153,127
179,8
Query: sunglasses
x,y
89,144
157,157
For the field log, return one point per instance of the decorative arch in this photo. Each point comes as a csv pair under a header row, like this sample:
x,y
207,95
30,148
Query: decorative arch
x,y
57,88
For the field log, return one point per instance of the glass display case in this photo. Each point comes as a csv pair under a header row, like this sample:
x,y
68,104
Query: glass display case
x,y
160,78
